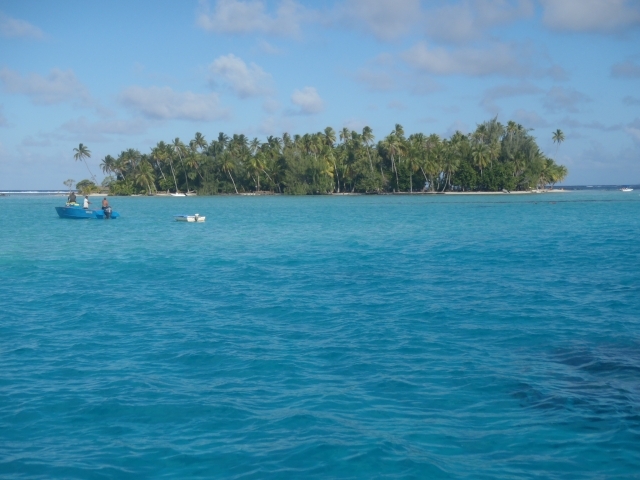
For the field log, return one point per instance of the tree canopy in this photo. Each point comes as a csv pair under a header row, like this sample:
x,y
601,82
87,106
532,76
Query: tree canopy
x,y
492,158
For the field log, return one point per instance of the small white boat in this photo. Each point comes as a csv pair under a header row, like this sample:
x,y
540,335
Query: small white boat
x,y
626,189
191,194
190,218
178,194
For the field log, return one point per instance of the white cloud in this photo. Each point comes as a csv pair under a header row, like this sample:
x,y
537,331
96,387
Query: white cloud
x,y
493,94
456,126
251,16
83,126
58,87
39,141
375,81
245,80
470,19
385,19
561,98
628,69
307,100
271,105
162,103
631,101
498,59
396,105
591,125
14,28
268,49
591,15
633,129
528,119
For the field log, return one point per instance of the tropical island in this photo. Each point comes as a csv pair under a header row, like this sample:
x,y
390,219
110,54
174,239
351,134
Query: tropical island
x,y
495,157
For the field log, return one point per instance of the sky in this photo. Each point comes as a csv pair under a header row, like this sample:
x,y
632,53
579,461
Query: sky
x,y
117,74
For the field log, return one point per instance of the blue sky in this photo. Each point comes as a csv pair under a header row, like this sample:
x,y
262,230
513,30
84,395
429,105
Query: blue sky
x,y
117,75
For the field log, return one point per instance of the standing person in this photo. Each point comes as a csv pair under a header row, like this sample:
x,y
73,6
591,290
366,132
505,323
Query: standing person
x,y
86,202
106,208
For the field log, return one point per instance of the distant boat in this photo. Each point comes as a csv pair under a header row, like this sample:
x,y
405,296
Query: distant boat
x,y
626,189
178,194
190,218
191,194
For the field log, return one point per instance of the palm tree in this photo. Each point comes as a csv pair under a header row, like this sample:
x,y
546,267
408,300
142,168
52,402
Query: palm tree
x,y
82,153
144,175
394,145
367,137
329,140
178,147
108,165
199,141
558,137
227,166
345,135
480,154
164,152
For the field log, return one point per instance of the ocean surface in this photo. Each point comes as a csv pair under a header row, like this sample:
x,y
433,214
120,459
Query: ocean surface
x,y
322,337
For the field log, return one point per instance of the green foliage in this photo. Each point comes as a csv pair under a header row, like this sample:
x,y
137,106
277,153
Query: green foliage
x,y
122,187
86,187
493,157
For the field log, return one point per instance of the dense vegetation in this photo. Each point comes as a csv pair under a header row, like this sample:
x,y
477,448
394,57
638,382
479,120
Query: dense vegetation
x,y
492,158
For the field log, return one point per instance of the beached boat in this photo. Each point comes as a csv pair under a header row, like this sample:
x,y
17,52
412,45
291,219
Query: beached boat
x,y
77,212
191,194
626,189
190,218
178,194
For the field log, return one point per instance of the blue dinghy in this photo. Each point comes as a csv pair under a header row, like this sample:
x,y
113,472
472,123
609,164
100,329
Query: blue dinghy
x,y
76,211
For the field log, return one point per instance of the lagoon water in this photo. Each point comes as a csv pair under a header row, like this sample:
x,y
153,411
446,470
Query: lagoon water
x,y
322,337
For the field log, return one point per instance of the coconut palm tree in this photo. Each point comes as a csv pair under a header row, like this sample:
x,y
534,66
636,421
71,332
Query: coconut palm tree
x,y
199,141
329,136
394,146
108,165
144,175
367,138
179,147
345,135
82,153
558,138
227,166
481,156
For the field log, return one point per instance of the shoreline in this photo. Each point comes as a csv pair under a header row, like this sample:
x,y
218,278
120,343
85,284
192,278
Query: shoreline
x,y
271,194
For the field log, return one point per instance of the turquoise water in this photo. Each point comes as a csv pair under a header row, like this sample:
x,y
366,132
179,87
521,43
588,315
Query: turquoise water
x,y
322,337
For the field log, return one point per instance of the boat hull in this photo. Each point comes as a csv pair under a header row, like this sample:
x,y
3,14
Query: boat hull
x,y
190,218
80,213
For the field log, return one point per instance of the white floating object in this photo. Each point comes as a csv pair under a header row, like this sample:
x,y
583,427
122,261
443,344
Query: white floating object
x,y
190,218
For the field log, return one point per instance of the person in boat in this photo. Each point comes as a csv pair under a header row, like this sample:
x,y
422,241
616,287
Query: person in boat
x,y
105,203
71,198
86,202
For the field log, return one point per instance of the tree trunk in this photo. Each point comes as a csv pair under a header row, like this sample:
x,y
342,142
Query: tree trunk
x,y
160,168
234,183
174,175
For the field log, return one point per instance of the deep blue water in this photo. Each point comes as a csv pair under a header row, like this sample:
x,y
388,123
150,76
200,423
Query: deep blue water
x,y
322,337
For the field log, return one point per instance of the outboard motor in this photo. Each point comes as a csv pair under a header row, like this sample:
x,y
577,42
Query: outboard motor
x,y
107,212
